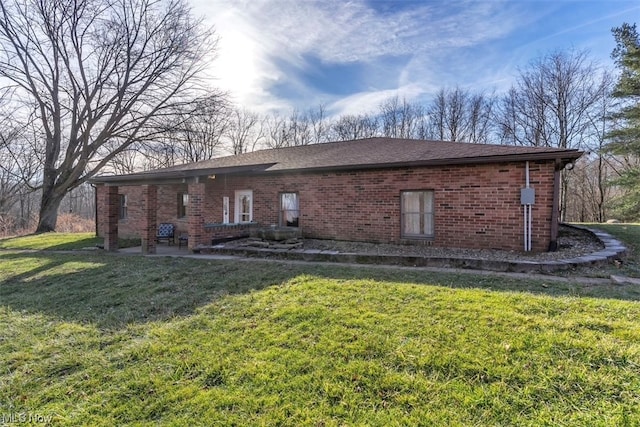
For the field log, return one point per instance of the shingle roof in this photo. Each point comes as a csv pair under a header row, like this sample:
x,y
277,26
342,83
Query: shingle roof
x,y
356,154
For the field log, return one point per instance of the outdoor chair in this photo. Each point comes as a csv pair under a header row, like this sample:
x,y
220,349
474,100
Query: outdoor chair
x,y
165,232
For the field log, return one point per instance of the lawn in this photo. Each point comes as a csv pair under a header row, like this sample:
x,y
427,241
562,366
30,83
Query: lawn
x,y
51,241
99,339
59,242
630,235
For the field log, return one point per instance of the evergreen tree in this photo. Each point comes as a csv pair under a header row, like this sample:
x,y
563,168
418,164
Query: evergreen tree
x,y
625,139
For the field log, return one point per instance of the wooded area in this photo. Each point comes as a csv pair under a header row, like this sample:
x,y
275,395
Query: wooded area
x,y
108,86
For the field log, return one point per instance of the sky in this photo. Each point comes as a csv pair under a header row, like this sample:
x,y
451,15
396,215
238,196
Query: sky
x,y
275,56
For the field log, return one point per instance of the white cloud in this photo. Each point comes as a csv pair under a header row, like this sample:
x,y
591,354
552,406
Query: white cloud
x,y
369,101
261,39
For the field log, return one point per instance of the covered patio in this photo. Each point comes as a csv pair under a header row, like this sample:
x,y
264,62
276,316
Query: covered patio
x,y
147,224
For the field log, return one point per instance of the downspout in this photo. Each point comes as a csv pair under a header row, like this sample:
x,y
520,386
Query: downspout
x,y
530,219
555,214
524,212
527,214
527,199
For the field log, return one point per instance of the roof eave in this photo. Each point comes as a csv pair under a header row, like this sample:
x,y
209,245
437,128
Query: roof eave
x,y
564,157
174,177
184,176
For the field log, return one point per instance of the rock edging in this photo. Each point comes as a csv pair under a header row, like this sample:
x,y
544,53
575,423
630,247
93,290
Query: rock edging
x,y
613,249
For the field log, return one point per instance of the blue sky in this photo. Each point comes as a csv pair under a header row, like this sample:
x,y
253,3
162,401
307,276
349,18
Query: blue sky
x,y
277,55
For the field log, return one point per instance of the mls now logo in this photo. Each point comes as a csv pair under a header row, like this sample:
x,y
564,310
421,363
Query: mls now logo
x,y
24,417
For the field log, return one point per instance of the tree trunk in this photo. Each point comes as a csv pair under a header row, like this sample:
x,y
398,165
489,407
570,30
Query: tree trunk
x,y
50,202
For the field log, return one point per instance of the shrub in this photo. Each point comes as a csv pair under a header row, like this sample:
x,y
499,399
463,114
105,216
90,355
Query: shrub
x,y
72,223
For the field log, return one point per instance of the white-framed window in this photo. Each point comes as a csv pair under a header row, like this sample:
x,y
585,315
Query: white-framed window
x,y
289,209
244,206
225,210
183,202
417,214
124,209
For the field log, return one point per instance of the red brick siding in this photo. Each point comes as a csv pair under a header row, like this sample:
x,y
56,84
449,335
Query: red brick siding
x,y
167,203
476,206
196,211
108,202
148,223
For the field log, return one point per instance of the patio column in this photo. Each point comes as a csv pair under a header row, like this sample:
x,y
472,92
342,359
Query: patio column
x,y
196,215
109,216
148,225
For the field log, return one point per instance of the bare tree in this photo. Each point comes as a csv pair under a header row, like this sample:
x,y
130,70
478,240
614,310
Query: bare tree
x,y
480,109
99,71
195,132
521,117
320,125
600,122
454,118
400,119
277,132
550,104
19,165
130,160
245,131
437,116
298,129
458,115
350,127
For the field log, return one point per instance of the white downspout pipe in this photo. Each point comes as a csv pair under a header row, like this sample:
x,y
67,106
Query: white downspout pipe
x,y
527,215
524,207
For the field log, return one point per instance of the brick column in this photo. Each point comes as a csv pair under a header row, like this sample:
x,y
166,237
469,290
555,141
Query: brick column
x,y
196,215
148,225
109,201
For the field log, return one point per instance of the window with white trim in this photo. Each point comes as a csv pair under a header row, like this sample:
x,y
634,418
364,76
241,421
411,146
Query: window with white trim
x,y
123,208
417,214
225,210
289,210
183,202
244,206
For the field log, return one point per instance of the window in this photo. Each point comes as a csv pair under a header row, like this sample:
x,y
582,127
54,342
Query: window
x,y
123,206
225,210
183,202
289,210
244,206
417,214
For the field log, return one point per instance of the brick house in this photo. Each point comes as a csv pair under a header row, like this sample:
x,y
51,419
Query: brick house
x,y
447,194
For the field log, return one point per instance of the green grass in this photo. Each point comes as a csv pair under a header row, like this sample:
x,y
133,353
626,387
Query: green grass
x,y
98,339
629,234
59,241
51,241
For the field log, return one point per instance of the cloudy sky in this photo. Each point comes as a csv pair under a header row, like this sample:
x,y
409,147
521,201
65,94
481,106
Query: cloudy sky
x,y
276,55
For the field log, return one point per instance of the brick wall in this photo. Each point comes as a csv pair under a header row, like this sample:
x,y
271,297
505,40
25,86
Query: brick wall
x,y
476,206
167,202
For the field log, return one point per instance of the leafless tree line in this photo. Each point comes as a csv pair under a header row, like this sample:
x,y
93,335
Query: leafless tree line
x,y
217,128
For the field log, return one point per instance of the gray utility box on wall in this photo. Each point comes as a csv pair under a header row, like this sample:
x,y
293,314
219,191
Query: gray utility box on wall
x,y
527,196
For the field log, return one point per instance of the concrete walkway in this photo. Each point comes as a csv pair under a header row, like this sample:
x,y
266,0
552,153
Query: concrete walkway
x,y
174,251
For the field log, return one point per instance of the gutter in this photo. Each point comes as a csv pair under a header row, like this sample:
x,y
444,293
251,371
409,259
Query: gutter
x,y
182,176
